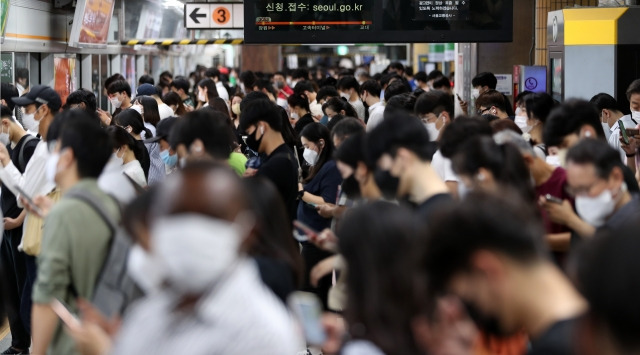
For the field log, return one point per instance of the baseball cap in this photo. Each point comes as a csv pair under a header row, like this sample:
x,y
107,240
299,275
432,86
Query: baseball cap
x,y
163,129
146,90
40,94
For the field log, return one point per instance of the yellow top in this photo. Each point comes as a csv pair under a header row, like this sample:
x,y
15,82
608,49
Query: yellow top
x,y
592,26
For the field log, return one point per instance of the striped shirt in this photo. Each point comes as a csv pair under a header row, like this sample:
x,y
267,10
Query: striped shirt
x,y
157,171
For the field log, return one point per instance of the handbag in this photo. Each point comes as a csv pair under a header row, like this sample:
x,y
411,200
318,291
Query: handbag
x,y
32,237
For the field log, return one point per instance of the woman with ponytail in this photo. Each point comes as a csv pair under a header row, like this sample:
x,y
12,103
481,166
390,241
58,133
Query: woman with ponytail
x,y
131,121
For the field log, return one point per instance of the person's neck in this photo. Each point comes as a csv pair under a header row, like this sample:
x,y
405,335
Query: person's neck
x,y
68,181
502,115
128,157
158,100
615,117
43,127
126,103
541,171
546,297
354,97
272,142
426,183
372,101
370,190
536,134
424,86
18,133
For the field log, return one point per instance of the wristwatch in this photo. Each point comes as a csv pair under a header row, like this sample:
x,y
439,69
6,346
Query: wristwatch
x,y
300,194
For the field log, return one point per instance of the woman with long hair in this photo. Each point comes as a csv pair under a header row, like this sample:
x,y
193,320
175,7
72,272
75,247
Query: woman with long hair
x,y
124,147
207,91
131,121
174,101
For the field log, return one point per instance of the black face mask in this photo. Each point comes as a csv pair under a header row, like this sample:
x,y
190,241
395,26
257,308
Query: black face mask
x,y
387,184
252,142
488,324
351,187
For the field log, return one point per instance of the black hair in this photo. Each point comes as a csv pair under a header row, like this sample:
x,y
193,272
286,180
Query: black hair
x,y
405,103
7,91
434,74
59,121
137,213
252,96
605,101
273,228
212,91
327,91
347,127
303,86
435,102
299,100
120,137
112,79
146,79
314,132
83,96
441,82
248,78
420,76
212,73
372,87
597,153
388,78
501,223
397,66
289,134
260,110
218,104
90,143
608,277
266,85
328,81
381,287
521,98
6,113
485,79
350,151
300,73
337,104
397,87
119,86
492,98
401,130
569,118
211,127
461,130
539,105
490,118
166,74
150,109
172,98
504,161
337,118
22,73
634,88
348,82
181,83
499,125
132,118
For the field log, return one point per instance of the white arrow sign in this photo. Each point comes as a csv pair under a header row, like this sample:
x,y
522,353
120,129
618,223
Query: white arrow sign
x,y
214,15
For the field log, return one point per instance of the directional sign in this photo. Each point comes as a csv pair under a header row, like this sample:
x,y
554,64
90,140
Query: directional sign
x,y
214,15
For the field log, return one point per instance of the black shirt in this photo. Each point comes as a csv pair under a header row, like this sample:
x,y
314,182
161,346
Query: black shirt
x,y
8,200
303,122
557,340
282,169
626,214
433,204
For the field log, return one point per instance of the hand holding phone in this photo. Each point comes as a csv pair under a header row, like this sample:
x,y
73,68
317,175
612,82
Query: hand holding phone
x,y
633,132
623,132
307,309
31,205
309,233
551,198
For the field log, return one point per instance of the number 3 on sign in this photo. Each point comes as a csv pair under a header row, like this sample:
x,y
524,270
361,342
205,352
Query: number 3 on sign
x,y
221,15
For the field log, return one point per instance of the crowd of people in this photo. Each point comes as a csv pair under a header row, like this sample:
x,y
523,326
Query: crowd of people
x,y
200,215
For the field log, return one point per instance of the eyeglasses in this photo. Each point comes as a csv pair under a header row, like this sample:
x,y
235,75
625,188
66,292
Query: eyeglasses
x,y
482,111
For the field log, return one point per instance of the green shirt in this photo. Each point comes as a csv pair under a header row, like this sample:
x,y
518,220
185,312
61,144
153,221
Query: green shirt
x,y
75,243
237,161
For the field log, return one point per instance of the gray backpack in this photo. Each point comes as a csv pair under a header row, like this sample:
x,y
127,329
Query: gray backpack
x,y
114,290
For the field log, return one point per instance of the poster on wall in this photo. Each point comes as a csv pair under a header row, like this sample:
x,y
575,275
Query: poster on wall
x,y
64,76
128,70
4,14
6,68
91,23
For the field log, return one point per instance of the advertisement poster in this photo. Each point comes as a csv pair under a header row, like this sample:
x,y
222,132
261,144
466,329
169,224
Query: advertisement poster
x,y
4,14
128,70
6,69
91,22
64,75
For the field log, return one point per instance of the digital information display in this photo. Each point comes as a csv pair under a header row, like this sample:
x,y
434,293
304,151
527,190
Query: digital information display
x,y
377,21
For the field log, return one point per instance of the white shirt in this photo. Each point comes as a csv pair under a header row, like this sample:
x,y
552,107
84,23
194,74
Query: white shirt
x,y
443,168
240,316
222,91
165,111
316,109
134,170
113,182
359,107
614,138
376,115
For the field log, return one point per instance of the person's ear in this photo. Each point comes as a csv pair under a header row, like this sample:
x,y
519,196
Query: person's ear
x,y
67,159
197,148
4,103
616,177
343,112
321,143
586,131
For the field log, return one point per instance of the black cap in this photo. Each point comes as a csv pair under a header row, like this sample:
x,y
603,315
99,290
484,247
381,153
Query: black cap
x,y
146,90
163,129
41,94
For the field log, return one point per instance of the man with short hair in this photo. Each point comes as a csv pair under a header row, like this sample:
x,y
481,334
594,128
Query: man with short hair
x,y
214,74
146,79
149,90
493,103
181,87
119,93
325,94
82,99
22,80
484,82
307,88
489,251
443,84
400,150
370,94
75,238
349,89
263,124
610,115
421,80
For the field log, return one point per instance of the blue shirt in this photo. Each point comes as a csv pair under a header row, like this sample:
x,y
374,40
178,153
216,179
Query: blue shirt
x,y
324,184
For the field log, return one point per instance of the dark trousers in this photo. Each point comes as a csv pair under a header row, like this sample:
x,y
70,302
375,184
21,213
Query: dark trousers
x,y
15,268
312,255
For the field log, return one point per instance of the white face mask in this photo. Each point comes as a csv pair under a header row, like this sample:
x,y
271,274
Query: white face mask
x,y
194,250
605,127
345,95
51,167
4,137
29,121
117,158
475,93
115,102
201,96
310,156
145,269
553,160
596,210
434,132
294,116
635,115
521,122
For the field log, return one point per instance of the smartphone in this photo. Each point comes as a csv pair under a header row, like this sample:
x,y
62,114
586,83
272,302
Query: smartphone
x,y
312,205
553,199
632,132
623,131
308,231
459,98
29,200
308,311
67,317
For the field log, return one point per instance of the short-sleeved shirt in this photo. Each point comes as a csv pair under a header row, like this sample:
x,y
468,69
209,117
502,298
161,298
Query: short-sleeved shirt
x,y
303,122
443,167
281,168
629,212
556,186
325,184
9,204
237,162
75,243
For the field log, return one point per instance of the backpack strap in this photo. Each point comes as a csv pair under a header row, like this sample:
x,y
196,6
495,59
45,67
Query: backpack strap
x,y
97,206
21,154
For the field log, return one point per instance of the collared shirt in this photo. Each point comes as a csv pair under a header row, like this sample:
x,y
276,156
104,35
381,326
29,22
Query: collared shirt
x,y
157,171
113,182
222,91
239,316
614,138
75,243
359,107
443,168
376,115
316,109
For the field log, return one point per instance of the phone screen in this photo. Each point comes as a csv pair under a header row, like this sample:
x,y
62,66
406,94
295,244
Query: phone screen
x,y
307,308
623,131
308,231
